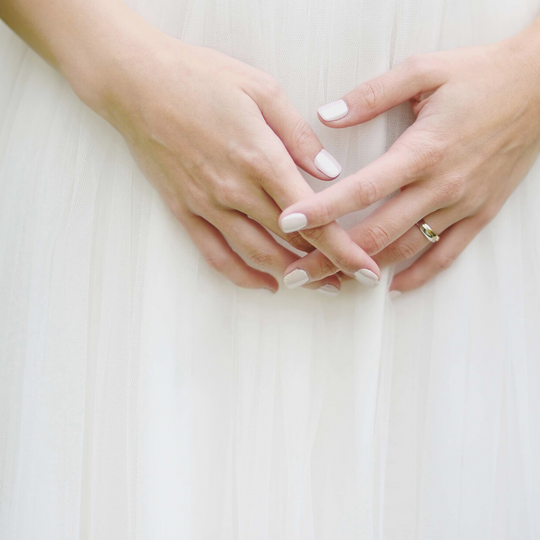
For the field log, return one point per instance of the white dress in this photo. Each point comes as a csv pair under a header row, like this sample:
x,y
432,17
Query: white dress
x,y
144,397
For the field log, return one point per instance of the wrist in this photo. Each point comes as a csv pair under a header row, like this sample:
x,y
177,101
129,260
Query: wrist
x,y
525,54
101,54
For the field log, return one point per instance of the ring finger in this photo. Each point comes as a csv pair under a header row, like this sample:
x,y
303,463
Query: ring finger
x,y
256,246
414,241
376,232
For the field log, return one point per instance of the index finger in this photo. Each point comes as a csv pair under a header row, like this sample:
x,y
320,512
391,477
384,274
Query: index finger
x,y
286,186
381,178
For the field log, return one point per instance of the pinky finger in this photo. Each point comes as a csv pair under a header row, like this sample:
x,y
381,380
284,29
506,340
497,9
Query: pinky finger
x,y
438,258
220,256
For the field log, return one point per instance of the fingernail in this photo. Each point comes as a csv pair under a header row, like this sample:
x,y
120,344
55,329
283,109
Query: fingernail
x,y
296,278
333,111
268,290
327,164
394,294
366,277
293,222
329,290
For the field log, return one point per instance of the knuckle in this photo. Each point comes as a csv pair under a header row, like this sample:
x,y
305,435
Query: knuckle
x,y
442,262
369,95
301,132
419,64
218,262
322,213
258,166
342,262
402,251
317,235
197,204
325,268
418,155
227,194
452,189
261,257
267,87
366,192
375,238
428,154
252,162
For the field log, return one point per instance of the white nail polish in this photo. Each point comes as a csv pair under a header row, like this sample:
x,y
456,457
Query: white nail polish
x,y
293,222
327,164
394,294
266,289
333,111
329,290
296,278
366,277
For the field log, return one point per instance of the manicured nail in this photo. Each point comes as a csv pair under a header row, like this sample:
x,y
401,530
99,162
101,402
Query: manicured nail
x,y
333,111
296,278
327,164
329,290
367,277
293,222
267,289
394,294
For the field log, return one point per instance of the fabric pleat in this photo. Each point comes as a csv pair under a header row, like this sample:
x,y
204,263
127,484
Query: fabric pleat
x,y
143,397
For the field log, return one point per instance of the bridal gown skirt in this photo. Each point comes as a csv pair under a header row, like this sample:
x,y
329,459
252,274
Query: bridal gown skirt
x,y
144,397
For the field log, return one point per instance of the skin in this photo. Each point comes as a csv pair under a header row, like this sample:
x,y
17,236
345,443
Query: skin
x,y
219,139
475,137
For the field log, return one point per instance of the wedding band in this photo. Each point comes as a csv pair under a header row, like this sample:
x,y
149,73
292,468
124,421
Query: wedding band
x,y
428,232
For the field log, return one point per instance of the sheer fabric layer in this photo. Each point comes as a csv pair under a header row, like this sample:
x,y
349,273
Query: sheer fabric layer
x,y
142,396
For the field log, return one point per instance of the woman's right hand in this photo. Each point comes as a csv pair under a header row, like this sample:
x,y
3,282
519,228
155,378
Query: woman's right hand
x,y
219,139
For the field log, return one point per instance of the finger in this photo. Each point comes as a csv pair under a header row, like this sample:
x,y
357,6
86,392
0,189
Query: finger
x,y
341,253
316,266
438,258
259,249
252,242
298,137
377,231
413,76
219,255
329,286
393,170
331,239
393,219
414,241
259,206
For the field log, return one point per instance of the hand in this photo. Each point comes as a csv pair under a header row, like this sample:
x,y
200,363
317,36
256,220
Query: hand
x,y
476,135
216,136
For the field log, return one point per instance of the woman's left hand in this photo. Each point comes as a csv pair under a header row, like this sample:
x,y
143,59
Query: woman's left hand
x,y
476,135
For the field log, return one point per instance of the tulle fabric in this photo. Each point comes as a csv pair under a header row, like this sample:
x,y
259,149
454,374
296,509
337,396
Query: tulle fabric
x,y
142,396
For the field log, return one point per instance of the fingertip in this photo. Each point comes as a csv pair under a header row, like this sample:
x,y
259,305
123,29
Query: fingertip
x,y
335,110
293,222
328,289
295,278
367,277
271,285
328,165
329,286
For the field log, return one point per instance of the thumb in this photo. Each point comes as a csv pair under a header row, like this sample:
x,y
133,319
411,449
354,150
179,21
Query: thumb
x,y
415,75
297,136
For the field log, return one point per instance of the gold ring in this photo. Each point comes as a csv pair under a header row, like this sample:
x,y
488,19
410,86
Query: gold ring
x,y
428,232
